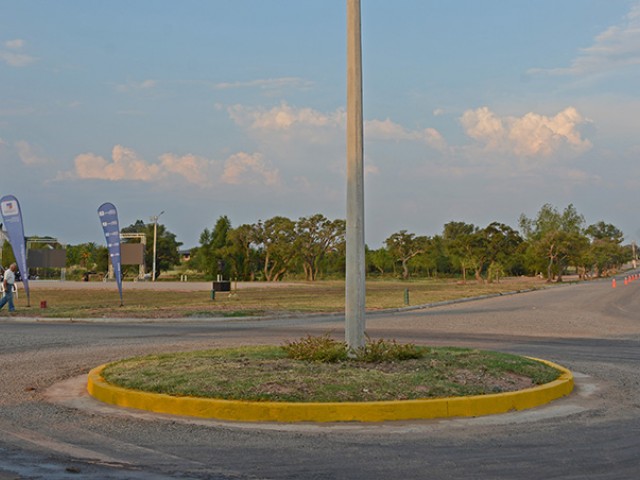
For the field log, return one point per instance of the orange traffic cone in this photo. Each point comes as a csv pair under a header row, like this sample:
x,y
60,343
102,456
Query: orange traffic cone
x,y
613,283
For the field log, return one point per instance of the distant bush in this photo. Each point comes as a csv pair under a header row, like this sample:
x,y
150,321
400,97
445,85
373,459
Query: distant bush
x,y
327,350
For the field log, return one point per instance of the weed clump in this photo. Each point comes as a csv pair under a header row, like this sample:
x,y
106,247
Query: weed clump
x,y
381,350
316,349
327,350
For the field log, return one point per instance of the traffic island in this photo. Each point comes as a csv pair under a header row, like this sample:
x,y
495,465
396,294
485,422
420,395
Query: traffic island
x,y
260,410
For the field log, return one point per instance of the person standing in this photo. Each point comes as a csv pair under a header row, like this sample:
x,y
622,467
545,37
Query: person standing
x,y
8,282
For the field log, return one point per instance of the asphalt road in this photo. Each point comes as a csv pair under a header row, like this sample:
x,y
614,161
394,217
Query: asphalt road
x,y
49,429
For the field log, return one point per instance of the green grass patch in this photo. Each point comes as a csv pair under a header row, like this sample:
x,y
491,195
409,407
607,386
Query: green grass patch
x,y
269,374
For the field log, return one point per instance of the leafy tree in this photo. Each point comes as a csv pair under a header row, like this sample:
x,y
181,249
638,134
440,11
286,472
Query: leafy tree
x,y
379,260
334,262
404,246
7,255
243,257
459,241
605,252
554,237
315,237
89,256
438,259
212,254
605,231
501,243
276,237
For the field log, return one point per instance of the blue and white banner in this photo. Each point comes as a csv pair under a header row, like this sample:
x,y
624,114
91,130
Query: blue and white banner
x,y
109,220
12,217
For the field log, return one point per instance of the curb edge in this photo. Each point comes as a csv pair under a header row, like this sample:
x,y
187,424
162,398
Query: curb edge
x,y
289,412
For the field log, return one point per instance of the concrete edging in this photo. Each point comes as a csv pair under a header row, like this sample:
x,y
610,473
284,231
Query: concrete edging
x,y
245,411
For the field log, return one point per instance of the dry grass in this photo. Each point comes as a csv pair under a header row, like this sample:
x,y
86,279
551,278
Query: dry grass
x,y
317,297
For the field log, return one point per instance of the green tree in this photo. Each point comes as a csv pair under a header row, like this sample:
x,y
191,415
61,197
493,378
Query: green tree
x,y
554,238
459,242
89,256
439,260
315,237
605,252
276,239
7,255
212,256
501,243
605,231
379,260
404,246
243,257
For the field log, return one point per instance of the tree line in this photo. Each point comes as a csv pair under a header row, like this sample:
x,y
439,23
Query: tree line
x,y
550,244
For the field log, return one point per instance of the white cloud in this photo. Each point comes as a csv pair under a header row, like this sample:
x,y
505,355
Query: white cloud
x,y
504,146
133,86
29,154
483,125
283,117
388,130
193,168
12,57
125,165
243,168
14,44
304,128
267,84
371,169
615,48
530,135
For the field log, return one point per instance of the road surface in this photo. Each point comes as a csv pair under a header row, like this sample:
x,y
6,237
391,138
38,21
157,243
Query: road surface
x,y
49,429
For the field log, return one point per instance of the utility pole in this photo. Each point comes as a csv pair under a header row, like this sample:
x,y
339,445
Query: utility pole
x,y
154,219
635,256
355,267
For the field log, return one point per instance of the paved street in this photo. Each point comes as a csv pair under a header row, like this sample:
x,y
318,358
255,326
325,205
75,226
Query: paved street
x,y
50,429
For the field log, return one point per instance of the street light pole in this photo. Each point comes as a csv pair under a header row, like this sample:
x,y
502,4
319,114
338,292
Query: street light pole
x,y
154,219
355,261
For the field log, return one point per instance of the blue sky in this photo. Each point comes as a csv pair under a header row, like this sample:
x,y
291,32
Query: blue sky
x,y
475,111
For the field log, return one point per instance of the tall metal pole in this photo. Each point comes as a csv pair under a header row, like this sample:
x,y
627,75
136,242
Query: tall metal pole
x,y
355,268
155,236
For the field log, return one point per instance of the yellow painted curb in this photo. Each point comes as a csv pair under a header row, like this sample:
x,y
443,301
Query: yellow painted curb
x,y
245,411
